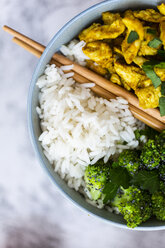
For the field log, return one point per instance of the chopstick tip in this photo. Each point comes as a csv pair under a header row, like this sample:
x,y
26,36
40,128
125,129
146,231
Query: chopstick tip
x,y
4,27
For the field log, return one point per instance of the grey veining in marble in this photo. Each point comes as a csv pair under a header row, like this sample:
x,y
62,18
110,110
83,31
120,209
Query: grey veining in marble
x,y
33,213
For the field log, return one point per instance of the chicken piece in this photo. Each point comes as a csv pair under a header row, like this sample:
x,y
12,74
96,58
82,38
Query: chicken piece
x,y
133,24
144,48
85,34
125,85
109,18
100,52
148,97
95,67
139,60
111,68
134,77
128,13
161,8
115,79
162,32
149,15
130,50
160,72
101,32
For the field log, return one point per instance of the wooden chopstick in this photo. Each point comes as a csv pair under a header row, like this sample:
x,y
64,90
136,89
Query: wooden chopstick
x,y
90,75
37,49
147,119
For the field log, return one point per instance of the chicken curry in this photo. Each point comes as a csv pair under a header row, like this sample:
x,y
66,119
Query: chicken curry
x,y
129,49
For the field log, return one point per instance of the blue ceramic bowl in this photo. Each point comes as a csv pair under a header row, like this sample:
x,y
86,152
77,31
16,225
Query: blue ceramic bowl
x,y
67,33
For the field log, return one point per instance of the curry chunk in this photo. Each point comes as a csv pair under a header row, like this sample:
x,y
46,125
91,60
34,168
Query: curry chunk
x,y
130,50
161,8
162,32
144,48
95,67
133,24
118,49
139,60
128,13
148,97
133,76
109,18
85,34
100,52
149,15
101,32
160,72
115,79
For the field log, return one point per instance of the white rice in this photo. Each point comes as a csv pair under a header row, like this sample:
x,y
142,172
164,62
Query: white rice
x,y
88,85
80,128
74,51
66,67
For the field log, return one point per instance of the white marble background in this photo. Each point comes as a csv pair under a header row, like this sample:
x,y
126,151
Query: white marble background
x,y
33,213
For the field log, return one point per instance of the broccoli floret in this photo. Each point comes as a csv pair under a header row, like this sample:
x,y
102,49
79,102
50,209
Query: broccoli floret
x,y
160,141
162,186
150,155
95,178
162,172
130,160
158,205
162,177
134,204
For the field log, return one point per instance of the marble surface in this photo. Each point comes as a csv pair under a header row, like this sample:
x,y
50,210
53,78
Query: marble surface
x,y
33,213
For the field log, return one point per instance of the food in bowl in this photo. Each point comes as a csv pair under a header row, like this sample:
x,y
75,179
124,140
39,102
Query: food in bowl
x,y
98,147
128,49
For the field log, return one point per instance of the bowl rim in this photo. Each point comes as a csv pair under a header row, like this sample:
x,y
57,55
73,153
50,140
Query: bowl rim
x,y
32,135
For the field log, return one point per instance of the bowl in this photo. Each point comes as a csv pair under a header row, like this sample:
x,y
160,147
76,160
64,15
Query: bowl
x,y
67,33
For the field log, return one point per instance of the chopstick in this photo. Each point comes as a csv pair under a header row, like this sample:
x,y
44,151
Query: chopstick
x,y
37,49
147,119
90,75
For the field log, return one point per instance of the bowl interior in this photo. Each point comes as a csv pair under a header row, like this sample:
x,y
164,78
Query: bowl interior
x,y
67,33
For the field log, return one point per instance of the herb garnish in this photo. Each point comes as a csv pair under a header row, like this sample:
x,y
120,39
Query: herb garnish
x,y
132,37
118,177
110,191
160,65
151,31
148,180
155,43
162,105
163,89
149,71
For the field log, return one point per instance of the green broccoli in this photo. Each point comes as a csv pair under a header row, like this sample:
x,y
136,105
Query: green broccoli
x,y
158,205
162,172
95,178
162,177
130,160
160,141
150,155
134,204
162,186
